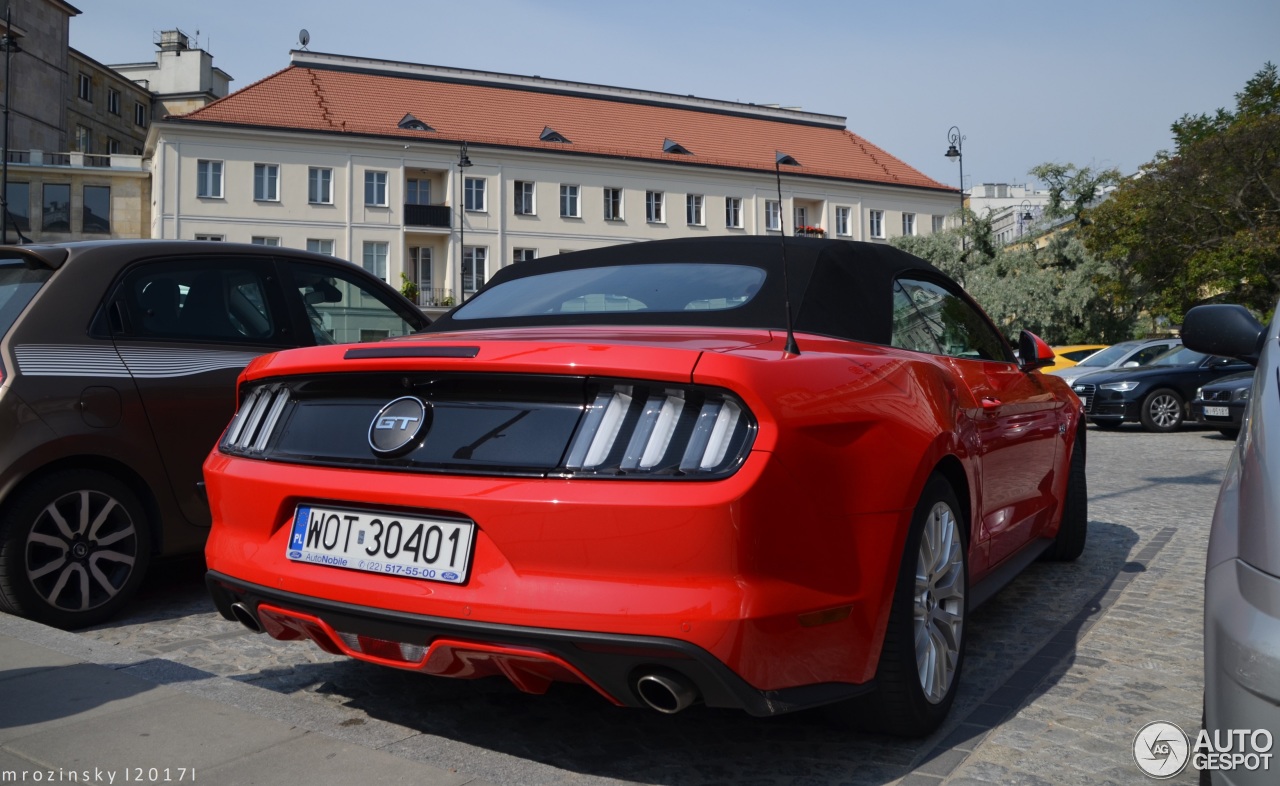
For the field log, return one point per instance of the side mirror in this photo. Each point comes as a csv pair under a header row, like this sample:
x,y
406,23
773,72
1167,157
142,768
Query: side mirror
x,y
1222,329
1033,353
1130,364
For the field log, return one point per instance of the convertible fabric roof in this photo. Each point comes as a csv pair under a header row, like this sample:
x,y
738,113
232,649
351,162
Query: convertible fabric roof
x,y
838,287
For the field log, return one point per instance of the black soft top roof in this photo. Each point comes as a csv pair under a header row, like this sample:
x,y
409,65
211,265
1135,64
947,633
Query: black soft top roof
x,y
838,287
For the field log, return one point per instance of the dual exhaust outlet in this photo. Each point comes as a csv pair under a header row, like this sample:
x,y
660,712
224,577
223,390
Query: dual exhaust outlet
x,y
665,691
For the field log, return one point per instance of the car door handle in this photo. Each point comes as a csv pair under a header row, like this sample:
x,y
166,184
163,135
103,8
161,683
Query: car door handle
x,y
990,403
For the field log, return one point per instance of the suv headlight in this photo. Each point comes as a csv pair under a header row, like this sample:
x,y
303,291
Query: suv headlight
x,y
1200,394
1123,387
1240,395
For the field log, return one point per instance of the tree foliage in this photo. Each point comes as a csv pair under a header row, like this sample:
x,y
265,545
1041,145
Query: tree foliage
x,y
1204,220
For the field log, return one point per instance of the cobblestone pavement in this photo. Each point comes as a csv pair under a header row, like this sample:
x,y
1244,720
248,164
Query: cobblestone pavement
x,y
1064,666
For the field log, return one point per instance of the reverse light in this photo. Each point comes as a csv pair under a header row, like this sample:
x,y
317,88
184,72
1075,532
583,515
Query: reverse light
x,y
1123,387
654,430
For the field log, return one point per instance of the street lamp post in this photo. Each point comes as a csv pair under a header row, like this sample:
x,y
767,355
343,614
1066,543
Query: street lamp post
x,y
464,163
1024,216
10,45
956,153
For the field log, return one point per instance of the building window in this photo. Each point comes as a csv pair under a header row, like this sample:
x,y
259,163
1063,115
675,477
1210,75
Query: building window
x,y
320,246
375,189
83,140
842,221
693,210
876,219
113,146
320,186
474,259
97,209
772,215
569,207
57,208
266,182
113,101
140,114
801,217
209,179
733,212
214,238
417,192
613,204
473,194
84,87
524,254
375,258
18,198
259,240
908,224
938,222
420,257
653,201
523,198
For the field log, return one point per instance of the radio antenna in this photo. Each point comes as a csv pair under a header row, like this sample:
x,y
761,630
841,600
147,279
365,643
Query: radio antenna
x,y
779,159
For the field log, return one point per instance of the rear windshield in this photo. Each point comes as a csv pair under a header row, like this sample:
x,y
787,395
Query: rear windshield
x,y
18,284
655,288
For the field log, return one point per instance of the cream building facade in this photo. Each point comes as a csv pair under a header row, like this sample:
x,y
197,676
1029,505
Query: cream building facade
x,y
396,200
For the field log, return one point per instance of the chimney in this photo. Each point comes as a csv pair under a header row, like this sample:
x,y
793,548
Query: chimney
x,y
174,41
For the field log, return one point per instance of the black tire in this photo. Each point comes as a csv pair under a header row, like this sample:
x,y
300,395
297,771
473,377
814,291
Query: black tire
x,y
901,704
74,547
1108,425
1068,544
1163,410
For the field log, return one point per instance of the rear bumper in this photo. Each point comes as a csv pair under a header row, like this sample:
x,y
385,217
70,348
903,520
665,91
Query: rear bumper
x,y
530,657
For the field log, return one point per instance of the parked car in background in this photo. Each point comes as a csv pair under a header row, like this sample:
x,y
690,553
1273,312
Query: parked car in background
x,y
1242,572
118,365
1126,354
1155,395
1068,356
1222,404
615,467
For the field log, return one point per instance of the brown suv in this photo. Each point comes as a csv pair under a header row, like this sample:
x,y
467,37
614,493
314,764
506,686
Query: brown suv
x,y
118,362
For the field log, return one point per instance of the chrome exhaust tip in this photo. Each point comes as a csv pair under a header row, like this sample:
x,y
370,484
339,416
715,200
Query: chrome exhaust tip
x,y
667,692
242,613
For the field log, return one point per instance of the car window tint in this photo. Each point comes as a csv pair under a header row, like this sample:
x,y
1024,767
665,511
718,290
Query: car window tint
x,y
1106,357
18,284
657,287
342,309
1147,354
220,300
909,328
959,330
1079,354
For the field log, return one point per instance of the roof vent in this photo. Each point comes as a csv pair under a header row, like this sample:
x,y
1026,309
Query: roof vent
x,y
674,147
551,135
411,123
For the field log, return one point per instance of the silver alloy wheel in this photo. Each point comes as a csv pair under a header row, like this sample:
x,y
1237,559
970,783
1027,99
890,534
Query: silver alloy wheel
x,y
939,602
1164,410
81,550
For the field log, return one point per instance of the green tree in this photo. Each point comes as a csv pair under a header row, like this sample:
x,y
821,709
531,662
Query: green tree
x,y
1204,220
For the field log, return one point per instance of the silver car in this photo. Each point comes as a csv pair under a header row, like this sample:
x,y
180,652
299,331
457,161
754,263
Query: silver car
x,y
1242,575
1126,354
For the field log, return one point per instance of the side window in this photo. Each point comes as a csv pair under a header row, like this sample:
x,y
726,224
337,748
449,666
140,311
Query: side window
x,y
958,329
214,300
1147,354
342,307
910,329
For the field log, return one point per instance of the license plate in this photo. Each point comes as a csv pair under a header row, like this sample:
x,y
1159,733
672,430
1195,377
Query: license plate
x,y
1217,412
395,544
1084,403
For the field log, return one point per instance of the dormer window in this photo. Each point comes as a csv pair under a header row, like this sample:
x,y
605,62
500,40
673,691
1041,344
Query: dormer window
x,y
551,135
411,123
668,146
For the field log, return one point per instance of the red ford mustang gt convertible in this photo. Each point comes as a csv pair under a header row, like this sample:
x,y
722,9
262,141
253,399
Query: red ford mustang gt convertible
x,y
710,470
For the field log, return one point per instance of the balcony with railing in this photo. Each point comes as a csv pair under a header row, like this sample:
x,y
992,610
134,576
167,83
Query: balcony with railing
x,y
45,158
438,297
431,216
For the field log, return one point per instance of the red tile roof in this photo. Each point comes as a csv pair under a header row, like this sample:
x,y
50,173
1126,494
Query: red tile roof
x,y
361,102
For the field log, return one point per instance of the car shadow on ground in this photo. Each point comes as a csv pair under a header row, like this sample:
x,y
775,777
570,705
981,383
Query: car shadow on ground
x,y
1019,644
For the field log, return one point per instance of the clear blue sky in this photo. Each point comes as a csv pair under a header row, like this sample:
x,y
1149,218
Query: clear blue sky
x,y
1089,82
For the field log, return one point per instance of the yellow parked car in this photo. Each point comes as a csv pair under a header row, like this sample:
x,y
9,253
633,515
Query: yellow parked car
x,y
1065,357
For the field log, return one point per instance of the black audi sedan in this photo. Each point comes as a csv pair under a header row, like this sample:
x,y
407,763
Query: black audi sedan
x,y
1155,395
1222,404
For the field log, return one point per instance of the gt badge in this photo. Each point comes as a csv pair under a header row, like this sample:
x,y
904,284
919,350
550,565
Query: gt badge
x,y
399,426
